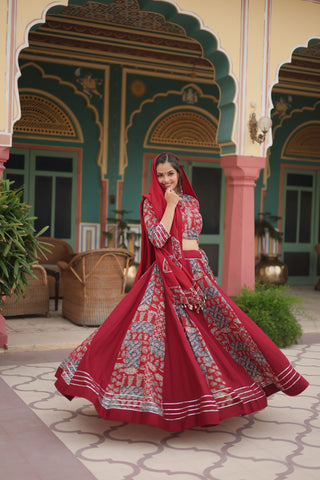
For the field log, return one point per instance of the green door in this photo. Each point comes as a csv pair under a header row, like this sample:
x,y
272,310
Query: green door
x,y
301,225
49,181
207,179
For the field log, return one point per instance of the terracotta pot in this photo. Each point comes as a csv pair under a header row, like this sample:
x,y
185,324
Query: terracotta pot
x,y
271,270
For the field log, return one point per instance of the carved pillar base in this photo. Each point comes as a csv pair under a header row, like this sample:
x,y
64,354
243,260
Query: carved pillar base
x,y
238,255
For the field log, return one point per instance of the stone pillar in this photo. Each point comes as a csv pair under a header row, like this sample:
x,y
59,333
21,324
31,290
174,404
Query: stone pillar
x,y
238,254
4,155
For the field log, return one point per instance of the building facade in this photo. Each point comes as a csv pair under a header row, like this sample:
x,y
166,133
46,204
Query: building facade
x,y
91,91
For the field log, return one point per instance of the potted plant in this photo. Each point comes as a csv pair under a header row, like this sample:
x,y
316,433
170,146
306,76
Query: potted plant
x,y
269,268
123,237
18,245
264,227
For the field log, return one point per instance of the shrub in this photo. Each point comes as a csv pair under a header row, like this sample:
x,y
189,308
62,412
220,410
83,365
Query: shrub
x,y
18,241
274,309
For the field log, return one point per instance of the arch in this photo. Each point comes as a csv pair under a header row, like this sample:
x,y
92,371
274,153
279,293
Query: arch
x,y
25,44
184,127
309,44
292,132
158,107
47,116
194,28
101,162
211,50
303,143
293,122
276,134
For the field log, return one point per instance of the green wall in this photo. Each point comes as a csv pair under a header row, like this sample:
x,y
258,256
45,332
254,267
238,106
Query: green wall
x,y
65,82
300,109
57,80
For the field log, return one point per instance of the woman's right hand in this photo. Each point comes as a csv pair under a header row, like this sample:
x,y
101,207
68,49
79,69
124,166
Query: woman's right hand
x,y
171,197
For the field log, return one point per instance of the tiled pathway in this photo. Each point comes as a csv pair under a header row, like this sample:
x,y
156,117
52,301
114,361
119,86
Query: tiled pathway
x,y
278,443
45,437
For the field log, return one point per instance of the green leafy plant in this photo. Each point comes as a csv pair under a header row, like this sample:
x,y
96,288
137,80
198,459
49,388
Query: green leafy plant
x,y
274,309
18,242
264,223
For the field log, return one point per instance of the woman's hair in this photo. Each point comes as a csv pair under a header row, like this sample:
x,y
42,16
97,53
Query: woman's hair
x,y
175,163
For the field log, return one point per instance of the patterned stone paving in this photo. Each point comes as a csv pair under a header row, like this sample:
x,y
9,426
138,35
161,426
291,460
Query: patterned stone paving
x,y
281,442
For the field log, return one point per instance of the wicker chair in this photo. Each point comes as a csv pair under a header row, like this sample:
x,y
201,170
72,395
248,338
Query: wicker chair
x,y
60,250
35,300
93,284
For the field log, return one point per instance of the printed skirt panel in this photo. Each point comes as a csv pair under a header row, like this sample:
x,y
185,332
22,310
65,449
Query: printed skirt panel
x,y
163,365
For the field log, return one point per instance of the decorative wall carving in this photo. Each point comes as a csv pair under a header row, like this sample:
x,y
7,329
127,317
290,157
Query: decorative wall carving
x,y
123,12
304,144
185,129
41,116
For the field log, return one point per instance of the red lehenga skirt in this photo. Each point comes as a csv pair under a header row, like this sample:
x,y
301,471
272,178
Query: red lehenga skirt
x,y
174,368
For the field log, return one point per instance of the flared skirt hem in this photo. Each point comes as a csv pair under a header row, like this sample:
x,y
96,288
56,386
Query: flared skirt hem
x,y
201,412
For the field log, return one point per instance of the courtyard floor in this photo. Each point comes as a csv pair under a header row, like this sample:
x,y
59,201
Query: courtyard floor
x,y
43,436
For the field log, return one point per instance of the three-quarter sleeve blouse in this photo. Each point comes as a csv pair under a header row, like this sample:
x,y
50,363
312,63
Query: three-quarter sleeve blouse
x,y
191,221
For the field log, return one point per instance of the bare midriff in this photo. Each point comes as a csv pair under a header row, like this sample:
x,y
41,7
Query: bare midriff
x,y
188,244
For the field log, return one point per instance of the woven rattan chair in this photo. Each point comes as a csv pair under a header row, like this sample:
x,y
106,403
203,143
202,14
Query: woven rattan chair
x,y
35,300
60,250
93,284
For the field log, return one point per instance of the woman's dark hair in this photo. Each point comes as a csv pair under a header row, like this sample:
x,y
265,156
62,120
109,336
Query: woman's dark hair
x,y
175,163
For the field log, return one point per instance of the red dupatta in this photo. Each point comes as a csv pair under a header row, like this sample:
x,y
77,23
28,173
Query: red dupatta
x,y
169,258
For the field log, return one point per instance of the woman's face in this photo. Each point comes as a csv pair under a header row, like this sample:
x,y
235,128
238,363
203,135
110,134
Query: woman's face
x,y
168,176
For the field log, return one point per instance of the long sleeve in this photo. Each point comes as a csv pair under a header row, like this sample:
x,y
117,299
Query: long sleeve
x,y
157,233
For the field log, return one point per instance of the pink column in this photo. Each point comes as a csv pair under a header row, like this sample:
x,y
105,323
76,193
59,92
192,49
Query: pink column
x,y
4,155
238,255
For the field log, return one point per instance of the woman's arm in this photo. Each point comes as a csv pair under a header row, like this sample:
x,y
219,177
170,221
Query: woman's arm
x,y
159,232
172,200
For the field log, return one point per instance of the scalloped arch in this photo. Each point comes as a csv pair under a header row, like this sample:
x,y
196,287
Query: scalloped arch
x,y
101,162
157,108
217,57
211,52
293,123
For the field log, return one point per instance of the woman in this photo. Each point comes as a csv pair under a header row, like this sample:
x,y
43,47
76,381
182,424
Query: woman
x,y
176,352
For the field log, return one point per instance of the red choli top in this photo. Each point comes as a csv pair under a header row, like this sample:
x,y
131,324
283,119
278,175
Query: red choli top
x,y
191,221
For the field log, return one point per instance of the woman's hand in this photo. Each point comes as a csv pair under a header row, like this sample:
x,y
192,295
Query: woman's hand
x,y
172,200
171,197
